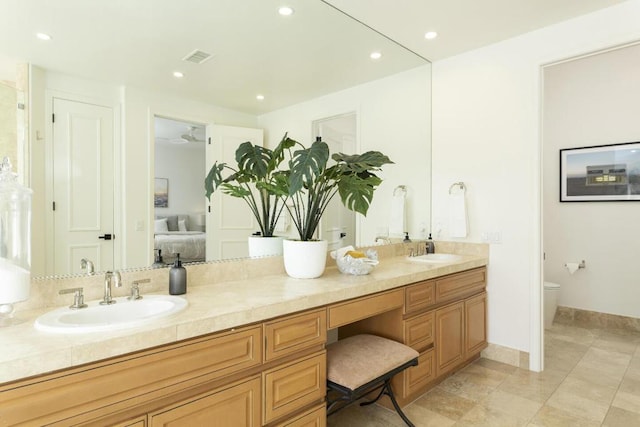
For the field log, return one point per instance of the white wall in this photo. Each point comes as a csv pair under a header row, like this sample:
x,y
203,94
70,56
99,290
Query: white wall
x,y
592,101
183,168
138,154
486,132
394,118
134,110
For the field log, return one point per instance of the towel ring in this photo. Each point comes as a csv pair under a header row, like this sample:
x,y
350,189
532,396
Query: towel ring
x,y
402,188
459,184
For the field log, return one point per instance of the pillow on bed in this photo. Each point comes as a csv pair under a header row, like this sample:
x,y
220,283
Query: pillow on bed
x,y
182,226
160,226
172,222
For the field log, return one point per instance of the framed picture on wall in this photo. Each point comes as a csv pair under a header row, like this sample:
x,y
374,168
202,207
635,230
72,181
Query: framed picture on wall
x,y
161,193
600,173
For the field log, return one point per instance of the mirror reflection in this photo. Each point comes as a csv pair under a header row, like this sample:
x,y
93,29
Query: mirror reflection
x,y
100,83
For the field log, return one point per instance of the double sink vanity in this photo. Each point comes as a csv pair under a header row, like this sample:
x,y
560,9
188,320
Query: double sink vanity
x,y
248,350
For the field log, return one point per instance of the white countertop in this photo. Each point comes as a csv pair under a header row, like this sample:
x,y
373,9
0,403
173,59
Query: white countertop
x,y
27,352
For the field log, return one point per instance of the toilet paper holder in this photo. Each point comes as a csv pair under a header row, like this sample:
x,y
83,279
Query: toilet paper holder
x,y
581,265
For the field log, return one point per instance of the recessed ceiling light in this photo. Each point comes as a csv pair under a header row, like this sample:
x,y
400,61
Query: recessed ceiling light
x,y
285,11
178,74
260,97
43,36
430,35
375,55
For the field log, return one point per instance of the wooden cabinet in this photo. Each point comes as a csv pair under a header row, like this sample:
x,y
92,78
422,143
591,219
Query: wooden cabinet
x,y
460,285
363,308
237,405
449,343
294,385
475,320
137,422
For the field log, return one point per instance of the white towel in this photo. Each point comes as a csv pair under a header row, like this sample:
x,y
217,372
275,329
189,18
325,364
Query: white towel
x,y
398,219
457,215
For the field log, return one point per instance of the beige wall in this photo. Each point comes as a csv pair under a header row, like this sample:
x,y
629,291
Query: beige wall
x,y
592,101
8,123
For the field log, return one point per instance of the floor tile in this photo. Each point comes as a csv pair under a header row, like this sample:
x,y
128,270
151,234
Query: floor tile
x,y
444,403
535,386
621,418
548,416
586,401
482,416
628,401
512,404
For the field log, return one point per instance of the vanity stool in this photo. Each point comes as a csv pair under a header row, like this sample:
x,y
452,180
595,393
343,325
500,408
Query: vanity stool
x,y
361,364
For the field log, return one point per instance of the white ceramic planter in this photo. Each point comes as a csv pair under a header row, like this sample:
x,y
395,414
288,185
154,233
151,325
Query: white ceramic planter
x,y
260,246
304,260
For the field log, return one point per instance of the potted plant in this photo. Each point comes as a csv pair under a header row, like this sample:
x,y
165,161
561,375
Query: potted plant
x,y
312,183
258,181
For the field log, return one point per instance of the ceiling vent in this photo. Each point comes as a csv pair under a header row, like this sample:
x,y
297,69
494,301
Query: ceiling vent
x,y
197,57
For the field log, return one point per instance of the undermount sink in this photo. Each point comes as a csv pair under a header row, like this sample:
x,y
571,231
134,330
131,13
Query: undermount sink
x,y
436,258
123,314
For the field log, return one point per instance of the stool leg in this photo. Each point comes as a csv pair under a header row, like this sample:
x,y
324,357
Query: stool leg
x,y
387,387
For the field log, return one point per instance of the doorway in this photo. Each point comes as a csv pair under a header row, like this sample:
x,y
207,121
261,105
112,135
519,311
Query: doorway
x,y
338,224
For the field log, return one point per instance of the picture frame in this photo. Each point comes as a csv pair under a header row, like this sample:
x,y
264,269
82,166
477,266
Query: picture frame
x,y
161,193
600,173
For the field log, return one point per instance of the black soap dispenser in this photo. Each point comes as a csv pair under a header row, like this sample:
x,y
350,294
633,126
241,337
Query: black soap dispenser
x,y
431,247
177,278
158,263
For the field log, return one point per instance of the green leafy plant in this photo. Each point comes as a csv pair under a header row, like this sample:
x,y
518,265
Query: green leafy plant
x,y
312,183
256,179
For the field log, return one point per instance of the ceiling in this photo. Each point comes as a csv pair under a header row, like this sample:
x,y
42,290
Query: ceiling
x,y
255,51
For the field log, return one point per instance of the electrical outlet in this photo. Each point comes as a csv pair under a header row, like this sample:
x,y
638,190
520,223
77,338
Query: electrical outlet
x,y
139,225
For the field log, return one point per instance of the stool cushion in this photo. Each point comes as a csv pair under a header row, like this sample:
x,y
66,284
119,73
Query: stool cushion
x,y
357,360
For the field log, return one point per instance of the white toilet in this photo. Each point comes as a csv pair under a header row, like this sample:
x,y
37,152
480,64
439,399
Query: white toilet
x,y
551,291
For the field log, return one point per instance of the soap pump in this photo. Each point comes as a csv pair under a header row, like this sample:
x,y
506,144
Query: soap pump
x,y
431,247
158,262
177,278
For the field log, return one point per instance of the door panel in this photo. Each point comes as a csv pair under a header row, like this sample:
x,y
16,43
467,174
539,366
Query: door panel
x,y
83,190
229,219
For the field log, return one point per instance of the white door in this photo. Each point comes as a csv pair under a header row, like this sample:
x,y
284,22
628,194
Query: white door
x,y
83,186
229,219
338,224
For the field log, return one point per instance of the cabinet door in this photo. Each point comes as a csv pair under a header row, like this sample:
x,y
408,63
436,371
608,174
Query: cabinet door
x,y
475,315
449,337
137,422
237,405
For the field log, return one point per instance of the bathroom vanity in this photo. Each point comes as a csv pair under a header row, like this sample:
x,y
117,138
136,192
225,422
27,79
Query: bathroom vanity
x,y
260,362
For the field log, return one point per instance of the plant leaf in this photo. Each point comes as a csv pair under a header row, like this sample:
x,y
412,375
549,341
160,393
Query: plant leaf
x,y
356,191
307,164
213,179
253,159
371,160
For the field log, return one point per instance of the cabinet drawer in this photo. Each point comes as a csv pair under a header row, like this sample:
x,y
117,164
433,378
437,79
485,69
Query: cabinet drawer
x,y
416,377
419,331
361,308
294,333
291,387
145,376
460,285
237,405
315,417
419,296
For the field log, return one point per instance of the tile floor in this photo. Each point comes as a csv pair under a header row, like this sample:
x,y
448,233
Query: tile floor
x,y
591,378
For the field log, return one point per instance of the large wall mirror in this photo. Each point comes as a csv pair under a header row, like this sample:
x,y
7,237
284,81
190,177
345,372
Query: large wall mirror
x,y
107,74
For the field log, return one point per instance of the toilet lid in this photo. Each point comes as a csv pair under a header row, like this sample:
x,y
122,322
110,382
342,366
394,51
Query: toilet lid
x,y
551,285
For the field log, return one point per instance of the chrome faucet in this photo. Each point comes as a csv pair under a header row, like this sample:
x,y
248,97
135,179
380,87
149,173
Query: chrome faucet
x,y
87,265
385,240
110,276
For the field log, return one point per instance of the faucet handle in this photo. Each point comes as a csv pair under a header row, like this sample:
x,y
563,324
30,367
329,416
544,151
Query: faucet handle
x,y
78,298
135,289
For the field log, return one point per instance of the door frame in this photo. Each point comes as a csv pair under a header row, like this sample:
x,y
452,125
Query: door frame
x,y
151,161
116,107
358,148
